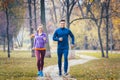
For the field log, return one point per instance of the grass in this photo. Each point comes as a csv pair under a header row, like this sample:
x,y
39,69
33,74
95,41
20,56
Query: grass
x,y
21,66
101,69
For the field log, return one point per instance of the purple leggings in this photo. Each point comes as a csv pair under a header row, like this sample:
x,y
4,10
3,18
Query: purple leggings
x,y
40,54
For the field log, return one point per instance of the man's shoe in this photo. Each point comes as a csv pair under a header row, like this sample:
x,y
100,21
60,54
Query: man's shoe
x,y
60,74
65,74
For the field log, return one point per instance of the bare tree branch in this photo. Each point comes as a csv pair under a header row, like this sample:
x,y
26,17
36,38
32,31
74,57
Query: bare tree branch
x,y
71,8
81,9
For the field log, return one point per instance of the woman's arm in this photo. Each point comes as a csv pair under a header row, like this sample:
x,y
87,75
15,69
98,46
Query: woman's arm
x,y
45,38
34,43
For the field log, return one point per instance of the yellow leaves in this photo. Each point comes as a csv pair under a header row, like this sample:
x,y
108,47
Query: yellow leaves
x,y
116,21
0,3
91,1
115,6
102,69
116,28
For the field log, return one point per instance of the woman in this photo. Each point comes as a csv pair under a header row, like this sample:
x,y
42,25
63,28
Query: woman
x,y
39,47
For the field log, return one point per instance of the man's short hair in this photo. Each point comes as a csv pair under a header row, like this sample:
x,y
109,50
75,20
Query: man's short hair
x,y
62,20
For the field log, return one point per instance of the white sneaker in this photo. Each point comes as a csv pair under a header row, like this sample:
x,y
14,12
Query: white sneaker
x,y
65,74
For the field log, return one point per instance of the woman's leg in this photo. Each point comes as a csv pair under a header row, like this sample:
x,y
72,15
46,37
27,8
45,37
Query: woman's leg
x,y
37,54
42,58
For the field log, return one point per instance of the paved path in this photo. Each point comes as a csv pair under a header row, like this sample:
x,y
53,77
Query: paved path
x,y
51,72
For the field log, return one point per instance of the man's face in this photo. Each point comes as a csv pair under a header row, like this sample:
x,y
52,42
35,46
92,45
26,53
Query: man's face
x,y
62,24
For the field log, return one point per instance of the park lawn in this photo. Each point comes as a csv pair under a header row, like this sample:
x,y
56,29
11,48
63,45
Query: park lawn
x,y
98,54
101,69
21,66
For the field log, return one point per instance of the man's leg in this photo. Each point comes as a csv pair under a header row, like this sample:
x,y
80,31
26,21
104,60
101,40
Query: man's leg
x,y
59,53
65,60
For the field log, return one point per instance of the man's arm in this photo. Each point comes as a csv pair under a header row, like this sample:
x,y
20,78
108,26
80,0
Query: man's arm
x,y
55,36
72,37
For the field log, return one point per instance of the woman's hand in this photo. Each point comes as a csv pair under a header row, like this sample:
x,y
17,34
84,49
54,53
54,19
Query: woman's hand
x,y
33,48
44,38
32,35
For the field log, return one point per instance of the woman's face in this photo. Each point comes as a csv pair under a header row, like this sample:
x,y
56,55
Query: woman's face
x,y
40,29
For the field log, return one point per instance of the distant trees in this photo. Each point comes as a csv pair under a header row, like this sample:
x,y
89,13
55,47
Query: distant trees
x,y
101,13
9,26
96,17
30,25
115,19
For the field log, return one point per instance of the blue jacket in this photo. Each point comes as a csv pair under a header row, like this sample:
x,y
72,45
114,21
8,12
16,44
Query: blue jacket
x,y
64,33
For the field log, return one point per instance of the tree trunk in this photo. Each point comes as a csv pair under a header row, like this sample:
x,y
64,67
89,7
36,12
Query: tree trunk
x,y
52,17
22,36
68,15
63,11
80,9
18,42
43,21
111,36
4,45
85,42
107,22
11,43
99,34
107,27
54,11
100,41
35,20
8,43
31,29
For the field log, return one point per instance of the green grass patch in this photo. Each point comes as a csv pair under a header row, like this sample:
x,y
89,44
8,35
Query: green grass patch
x,y
101,69
21,66
99,55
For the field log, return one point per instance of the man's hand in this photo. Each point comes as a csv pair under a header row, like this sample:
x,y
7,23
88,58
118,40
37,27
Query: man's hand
x,y
72,46
60,39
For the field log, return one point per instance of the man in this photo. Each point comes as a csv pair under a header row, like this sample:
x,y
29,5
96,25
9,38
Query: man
x,y
61,36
